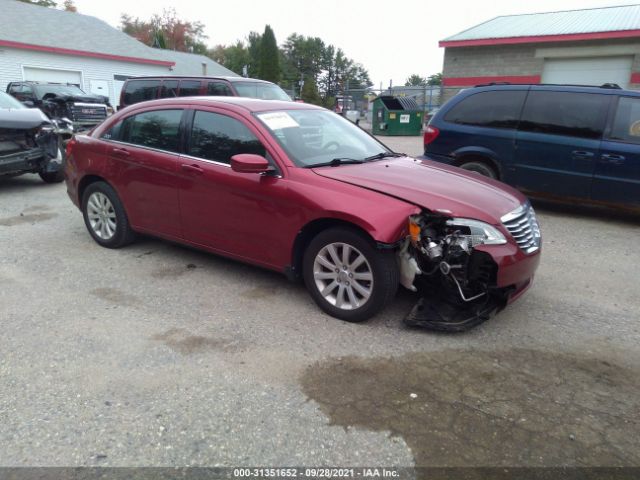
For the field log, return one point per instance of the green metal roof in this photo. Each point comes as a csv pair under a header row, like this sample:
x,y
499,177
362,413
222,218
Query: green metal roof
x,y
609,19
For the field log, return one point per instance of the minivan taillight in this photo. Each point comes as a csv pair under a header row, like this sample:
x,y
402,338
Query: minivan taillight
x,y
430,134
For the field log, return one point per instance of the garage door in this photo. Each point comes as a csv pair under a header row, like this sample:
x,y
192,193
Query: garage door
x,y
35,74
588,71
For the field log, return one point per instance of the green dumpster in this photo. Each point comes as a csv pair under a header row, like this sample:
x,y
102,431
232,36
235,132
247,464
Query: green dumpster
x,y
396,116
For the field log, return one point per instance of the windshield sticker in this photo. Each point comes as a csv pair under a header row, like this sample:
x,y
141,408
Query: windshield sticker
x,y
278,120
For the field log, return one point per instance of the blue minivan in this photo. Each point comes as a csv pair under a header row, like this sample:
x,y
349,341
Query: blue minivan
x,y
571,143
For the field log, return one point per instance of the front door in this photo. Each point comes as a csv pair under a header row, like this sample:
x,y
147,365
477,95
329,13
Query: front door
x,y
617,175
235,213
558,142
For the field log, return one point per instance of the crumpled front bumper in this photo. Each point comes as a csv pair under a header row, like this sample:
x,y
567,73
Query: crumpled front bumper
x,y
440,310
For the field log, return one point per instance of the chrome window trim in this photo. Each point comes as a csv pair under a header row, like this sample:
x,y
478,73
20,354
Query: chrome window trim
x,y
119,142
215,162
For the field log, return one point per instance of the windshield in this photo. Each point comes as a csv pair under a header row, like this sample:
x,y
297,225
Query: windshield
x,y
7,101
264,91
42,90
317,137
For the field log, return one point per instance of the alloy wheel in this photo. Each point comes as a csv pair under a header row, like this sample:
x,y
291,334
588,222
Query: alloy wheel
x,y
343,276
102,215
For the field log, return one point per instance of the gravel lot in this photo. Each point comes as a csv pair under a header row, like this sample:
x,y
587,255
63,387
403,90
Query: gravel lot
x,y
157,354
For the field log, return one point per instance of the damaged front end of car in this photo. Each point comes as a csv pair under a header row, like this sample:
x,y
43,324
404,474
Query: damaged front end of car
x,y
29,143
439,259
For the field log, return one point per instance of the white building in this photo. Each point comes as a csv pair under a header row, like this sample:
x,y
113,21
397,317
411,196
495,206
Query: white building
x,y
45,44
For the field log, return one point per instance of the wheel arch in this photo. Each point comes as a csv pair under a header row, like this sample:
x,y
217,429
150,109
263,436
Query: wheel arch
x,y
308,232
88,180
483,155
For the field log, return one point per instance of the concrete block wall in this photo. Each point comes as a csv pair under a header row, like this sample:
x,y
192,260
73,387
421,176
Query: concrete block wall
x,y
522,60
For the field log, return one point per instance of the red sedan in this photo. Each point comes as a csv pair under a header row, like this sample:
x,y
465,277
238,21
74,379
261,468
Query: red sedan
x,y
298,189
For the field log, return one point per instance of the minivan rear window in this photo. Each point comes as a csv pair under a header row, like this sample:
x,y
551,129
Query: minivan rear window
x,y
565,113
495,109
140,91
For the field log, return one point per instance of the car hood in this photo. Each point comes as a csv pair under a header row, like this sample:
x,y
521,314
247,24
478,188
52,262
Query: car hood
x,y
433,186
84,98
22,119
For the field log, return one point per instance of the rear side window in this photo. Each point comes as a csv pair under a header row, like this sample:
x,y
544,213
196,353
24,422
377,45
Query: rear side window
x,y
140,91
565,113
189,88
496,109
219,88
169,89
156,129
626,124
218,137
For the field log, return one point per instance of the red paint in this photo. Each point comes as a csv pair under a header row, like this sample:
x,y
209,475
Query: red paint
x,y
257,218
82,53
571,37
471,81
635,78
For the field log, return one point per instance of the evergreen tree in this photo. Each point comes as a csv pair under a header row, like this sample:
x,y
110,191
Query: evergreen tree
x,y
269,66
310,91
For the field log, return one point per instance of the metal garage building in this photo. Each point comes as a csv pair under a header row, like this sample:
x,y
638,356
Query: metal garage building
x,y
587,47
45,44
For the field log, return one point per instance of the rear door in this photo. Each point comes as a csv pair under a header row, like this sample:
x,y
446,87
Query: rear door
x,y
617,174
144,149
558,142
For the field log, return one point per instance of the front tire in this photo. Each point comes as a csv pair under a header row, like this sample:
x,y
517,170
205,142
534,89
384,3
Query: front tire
x,y
57,176
105,217
347,276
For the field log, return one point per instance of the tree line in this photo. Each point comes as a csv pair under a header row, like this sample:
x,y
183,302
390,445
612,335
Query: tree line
x,y
314,70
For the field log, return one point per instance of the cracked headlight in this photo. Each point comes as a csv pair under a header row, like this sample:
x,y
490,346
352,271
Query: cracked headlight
x,y
479,233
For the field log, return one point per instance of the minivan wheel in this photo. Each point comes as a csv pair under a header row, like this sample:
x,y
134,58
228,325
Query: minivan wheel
x,y
105,217
480,167
347,276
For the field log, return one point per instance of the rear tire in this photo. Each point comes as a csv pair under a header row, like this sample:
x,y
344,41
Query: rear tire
x,y
483,168
105,217
357,292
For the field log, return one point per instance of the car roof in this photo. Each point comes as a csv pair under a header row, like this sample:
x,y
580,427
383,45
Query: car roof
x,y
196,77
243,103
606,89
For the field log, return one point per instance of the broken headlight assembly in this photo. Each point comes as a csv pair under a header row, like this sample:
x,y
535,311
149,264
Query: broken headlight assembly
x,y
478,233
438,255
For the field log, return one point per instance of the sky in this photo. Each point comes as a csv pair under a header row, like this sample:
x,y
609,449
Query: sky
x,y
391,39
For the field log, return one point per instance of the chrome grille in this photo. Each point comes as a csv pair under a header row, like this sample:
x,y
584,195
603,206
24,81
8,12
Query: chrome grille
x,y
88,113
522,224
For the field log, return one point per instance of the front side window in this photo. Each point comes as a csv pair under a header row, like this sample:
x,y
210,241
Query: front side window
x,y
140,91
626,124
565,113
219,89
314,137
189,88
218,137
495,109
158,129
